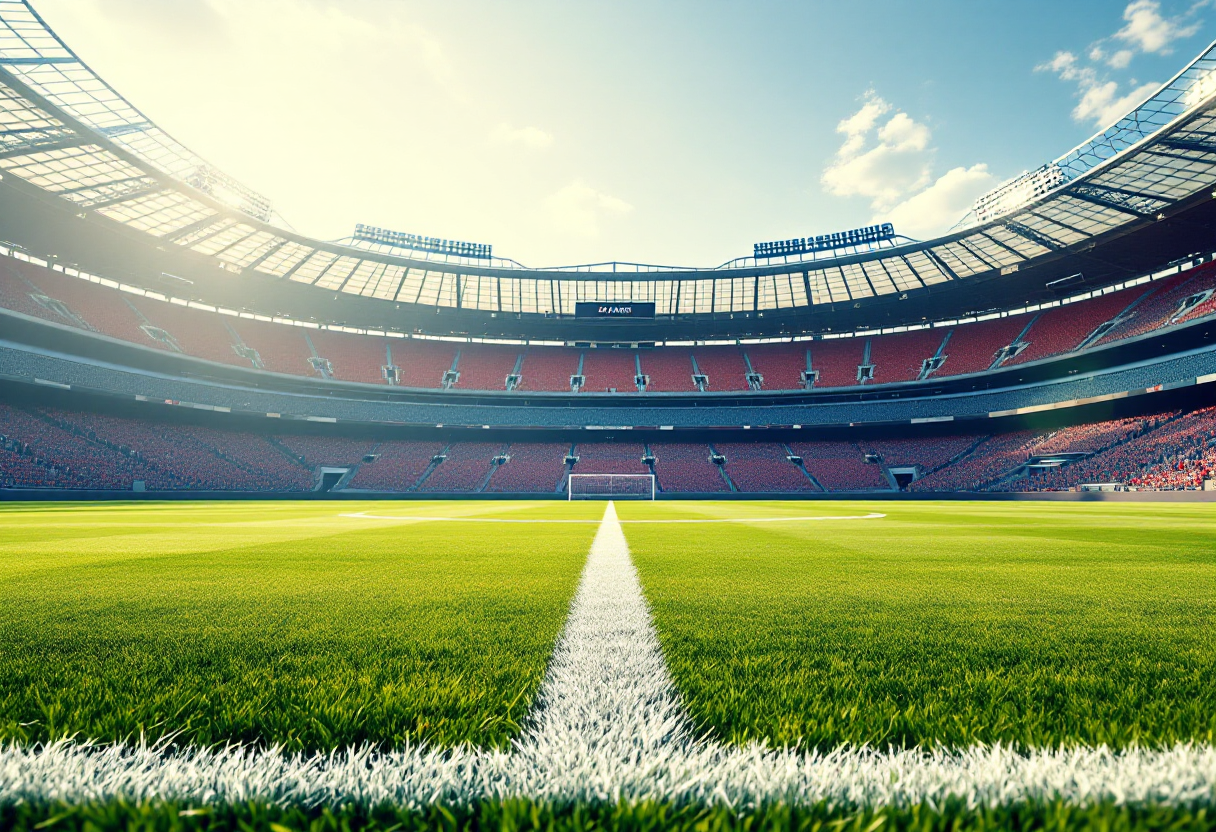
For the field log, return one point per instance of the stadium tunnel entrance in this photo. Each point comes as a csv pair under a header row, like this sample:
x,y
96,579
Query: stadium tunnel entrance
x,y
330,477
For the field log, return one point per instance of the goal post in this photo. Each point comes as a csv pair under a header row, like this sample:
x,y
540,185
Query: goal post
x,y
610,487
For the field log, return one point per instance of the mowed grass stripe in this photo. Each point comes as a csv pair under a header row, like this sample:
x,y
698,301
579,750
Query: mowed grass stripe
x,y
942,625
287,625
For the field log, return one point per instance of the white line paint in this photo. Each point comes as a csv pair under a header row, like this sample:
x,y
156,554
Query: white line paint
x,y
609,725
362,515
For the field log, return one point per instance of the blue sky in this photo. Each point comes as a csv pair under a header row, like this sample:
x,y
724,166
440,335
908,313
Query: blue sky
x,y
676,133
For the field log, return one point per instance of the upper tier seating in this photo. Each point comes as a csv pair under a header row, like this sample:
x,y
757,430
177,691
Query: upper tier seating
x,y
204,336
352,357
837,361
840,466
901,356
18,294
530,467
549,369
762,466
398,466
484,367
467,466
724,366
1063,328
1159,306
281,349
973,348
104,309
423,362
781,365
669,369
685,467
610,369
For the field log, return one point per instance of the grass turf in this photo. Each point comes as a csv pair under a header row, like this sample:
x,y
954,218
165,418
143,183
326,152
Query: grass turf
x,y
508,816
944,624
278,623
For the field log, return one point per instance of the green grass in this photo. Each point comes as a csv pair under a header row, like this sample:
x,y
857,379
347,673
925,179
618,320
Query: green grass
x,y
278,622
508,816
942,625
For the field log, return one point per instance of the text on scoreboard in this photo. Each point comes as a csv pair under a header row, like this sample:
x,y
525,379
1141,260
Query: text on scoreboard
x,y
595,309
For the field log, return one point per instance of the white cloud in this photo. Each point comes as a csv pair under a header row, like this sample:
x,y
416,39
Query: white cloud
x,y
1148,31
898,163
1103,105
533,137
889,160
1145,31
939,206
579,210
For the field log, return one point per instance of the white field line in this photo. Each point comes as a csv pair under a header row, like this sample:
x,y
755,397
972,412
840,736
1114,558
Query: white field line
x,y
362,515
609,725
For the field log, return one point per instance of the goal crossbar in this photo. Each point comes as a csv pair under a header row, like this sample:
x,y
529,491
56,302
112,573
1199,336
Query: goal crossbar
x,y
614,486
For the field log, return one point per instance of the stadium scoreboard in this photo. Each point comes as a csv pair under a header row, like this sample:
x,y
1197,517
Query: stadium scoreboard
x,y
594,310
826,242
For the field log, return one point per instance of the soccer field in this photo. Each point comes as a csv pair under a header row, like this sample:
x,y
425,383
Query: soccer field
x,y
925,631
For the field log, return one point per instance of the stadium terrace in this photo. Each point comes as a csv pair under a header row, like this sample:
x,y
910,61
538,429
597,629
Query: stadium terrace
x,y
396,532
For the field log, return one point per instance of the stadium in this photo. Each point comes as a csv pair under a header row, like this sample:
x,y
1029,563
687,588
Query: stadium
x,y
883,532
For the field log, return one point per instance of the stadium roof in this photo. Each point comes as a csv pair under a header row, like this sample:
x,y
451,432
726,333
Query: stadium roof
x,y
65,132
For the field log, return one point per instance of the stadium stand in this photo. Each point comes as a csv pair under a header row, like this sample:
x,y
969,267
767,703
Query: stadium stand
x,y
57,457
901,356
1065,328
20,295
928,453
609,369
837,361
279,348
530,468
352,357
988,461
686,467
1160,305
840,466
467,467
669,369
201,335
781,365
973,348
549,369
398,466
1169,451
724,367
423,363
610,458
763,467
105,310
332,451
484,367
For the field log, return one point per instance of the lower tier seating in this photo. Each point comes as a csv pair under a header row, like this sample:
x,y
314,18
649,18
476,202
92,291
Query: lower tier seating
x,y
685,467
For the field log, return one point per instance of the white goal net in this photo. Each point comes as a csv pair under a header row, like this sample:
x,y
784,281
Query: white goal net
x,y
610,487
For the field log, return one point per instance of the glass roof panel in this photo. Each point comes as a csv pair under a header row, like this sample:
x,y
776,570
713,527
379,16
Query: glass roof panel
x,y
280,262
